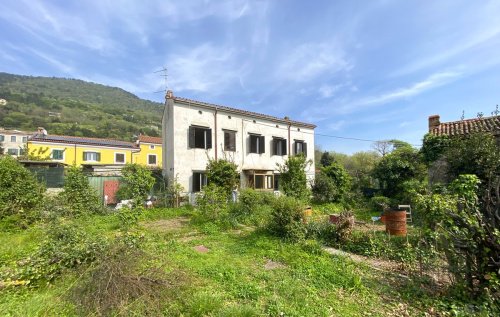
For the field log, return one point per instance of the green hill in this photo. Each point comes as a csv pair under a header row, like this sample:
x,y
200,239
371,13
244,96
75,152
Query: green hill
x,y
75,107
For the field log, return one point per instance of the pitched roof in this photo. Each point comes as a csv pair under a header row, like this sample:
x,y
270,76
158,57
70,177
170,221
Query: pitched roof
x,y
64,139
149,139
486,124
244,112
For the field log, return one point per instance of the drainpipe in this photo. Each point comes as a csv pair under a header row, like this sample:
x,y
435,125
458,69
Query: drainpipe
x,y
215,137
289,140
74,157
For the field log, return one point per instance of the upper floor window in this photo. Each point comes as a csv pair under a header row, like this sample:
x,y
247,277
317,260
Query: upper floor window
x,y
92,156
279,146
57,154
25,139
12,138
199,181
152,147
120,158
229,140
257,144
300,147
200,137
152,159
2,138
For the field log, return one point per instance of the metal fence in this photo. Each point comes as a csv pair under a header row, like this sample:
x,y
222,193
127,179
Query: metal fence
x,y
52,177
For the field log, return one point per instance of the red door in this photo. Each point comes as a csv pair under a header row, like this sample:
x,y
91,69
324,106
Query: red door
x,y
110,189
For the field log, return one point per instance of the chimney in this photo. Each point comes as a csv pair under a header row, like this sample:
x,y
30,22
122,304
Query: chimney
x,y
433,122
170,94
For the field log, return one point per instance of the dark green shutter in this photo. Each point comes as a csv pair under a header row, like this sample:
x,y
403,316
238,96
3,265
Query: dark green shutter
x,y
253,143
209,138
191,137
304,147
98,157
283,147
262,144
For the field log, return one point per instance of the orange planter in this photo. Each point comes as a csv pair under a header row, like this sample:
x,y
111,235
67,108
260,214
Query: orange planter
x,y
395,222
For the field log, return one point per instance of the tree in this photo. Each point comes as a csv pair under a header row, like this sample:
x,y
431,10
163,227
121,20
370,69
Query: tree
x,y
78,194
332,183
138,182
394,169
326,159
223,173
293,177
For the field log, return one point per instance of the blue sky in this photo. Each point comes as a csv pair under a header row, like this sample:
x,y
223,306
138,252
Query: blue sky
x,y
362,69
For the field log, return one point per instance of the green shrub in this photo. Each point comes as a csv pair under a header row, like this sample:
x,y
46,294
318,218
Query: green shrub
x,y
286,219
212,203
223,173
293,177
253,207
78,195
66,246
20,193
380,203
138,183
332,184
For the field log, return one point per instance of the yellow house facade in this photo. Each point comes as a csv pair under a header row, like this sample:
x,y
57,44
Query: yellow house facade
x,y
150,153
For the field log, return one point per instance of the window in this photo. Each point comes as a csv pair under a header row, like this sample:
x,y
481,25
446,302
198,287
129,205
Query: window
x,y
200,138
57,154
257,144
229,140
92,156
13,151
152,147
2,138
199,181
262,181
300,147
12,138
25,139
119,158
151,159
279,146
276,181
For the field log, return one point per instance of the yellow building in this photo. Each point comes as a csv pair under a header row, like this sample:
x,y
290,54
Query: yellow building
x,y
78,151
150,153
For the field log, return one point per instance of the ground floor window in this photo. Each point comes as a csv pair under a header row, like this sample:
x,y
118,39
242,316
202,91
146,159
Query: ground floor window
x,y
13,151
199,181
261,180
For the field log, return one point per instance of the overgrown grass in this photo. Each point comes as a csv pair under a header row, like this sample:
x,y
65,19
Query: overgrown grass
x,y
246,272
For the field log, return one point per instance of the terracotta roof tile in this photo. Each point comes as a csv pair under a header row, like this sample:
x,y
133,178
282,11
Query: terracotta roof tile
x,y
245,112
149,139
487,124
81,140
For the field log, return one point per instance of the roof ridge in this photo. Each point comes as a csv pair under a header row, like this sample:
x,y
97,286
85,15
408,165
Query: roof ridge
x,y
82,137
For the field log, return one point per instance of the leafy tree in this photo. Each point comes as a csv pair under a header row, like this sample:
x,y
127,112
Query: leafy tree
x,y
78,194
223,173
333,183
394,169
293,177
20,193
138,182
326,159
433,147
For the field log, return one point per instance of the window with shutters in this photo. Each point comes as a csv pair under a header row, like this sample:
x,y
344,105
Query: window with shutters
x,y
2,138
229,140
91,156
199,181
300,147
200,137
257,144
12,138
57,154
279,146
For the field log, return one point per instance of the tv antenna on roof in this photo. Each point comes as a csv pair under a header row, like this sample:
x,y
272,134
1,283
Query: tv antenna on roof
x,y
164,74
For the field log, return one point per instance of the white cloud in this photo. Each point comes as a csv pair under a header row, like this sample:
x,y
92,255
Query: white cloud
x,y
327,91
311,60
205,68
337,125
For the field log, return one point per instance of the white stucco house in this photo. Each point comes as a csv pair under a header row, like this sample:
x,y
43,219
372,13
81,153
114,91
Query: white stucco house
x,y
195,132
13,142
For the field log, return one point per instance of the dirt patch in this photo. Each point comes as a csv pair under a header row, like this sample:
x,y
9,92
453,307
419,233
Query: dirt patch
x,y
272,265
378,264
166,225
201,248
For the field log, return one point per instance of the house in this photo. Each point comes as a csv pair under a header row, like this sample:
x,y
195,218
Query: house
x,y
463,127
13,142
195,132
72,150
150,151
438,169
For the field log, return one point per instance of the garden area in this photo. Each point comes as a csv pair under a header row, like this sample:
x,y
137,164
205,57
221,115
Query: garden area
x,y
263,255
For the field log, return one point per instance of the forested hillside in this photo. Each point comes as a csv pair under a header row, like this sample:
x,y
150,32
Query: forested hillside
x,y
75,107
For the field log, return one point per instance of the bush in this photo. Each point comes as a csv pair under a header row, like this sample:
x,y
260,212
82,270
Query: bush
x,y
253,207
20,193
286,219
66,246
293,178
78,195
224,174
380,203
212,203
138,182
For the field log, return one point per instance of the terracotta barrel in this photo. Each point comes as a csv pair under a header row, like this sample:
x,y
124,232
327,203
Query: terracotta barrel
x,y
395,222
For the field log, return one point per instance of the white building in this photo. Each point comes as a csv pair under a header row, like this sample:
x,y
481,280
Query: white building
x,y
13,142
195,132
